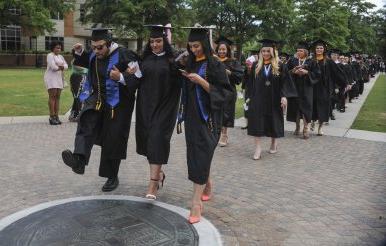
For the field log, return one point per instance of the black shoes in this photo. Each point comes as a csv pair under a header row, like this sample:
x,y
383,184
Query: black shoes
x,y
54,120
111,184
74,161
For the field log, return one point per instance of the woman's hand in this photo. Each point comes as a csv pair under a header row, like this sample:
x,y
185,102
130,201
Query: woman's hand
x,y
194,77
228,72
283,102
131,70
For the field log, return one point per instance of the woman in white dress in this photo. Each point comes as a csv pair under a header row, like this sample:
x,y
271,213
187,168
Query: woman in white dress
x,y
54,80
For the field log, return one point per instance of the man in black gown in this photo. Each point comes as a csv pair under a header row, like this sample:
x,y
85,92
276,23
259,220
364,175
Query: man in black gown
x,y
108,97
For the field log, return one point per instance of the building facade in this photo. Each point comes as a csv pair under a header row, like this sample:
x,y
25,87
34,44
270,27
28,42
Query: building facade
x,y
68,29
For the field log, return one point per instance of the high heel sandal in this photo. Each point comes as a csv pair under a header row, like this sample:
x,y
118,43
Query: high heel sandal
x,y
195,219
154,197
257,156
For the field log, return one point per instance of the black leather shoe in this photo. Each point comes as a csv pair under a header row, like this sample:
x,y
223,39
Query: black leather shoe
x,y
73,161
111,184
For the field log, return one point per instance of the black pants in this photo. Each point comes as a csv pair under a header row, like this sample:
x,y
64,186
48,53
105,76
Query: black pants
x,y
89,130
75,81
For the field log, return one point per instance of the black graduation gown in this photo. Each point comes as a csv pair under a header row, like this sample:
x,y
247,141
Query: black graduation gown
x,y
265,114
302,105
156,110
202,137
331,76
107,128
235,78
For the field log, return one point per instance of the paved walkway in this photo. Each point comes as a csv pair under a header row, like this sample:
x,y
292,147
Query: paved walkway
x,y
326,191
341,126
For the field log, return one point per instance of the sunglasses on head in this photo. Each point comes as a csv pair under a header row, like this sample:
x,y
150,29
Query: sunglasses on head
x,y
98,47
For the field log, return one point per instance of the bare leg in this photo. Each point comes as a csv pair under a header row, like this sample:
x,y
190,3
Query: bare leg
x,y
196,208
257,154
273,148
207,190
155,179
224,137
297,129
51,101
305,129
320,132
57,99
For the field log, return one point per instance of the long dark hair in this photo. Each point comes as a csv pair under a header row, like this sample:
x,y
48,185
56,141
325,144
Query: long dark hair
x,y
167,48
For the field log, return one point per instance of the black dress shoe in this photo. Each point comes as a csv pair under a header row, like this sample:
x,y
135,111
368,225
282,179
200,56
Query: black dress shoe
x,y
73,161
53,121
111,184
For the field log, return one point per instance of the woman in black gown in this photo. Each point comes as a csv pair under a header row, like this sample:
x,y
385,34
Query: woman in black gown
x,y
204,92
330,76
271,87
235,74
305,74
157,104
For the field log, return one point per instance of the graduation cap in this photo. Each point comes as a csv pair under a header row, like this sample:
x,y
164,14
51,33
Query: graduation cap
x,y
335,51
197,33
98,32
319,42
223,40
157,31
302,45
268,43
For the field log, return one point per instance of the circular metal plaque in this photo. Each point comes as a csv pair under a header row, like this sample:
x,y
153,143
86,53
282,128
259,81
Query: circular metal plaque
x,y
100,222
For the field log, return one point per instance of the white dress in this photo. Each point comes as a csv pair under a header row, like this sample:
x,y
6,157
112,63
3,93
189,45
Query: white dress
x,y
53,77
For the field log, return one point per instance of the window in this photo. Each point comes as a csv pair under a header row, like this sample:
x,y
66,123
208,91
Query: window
x,y
56,16
50,39
82,13
10,38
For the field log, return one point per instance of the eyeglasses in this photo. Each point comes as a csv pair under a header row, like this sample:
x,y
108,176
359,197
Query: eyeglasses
x,y
97,47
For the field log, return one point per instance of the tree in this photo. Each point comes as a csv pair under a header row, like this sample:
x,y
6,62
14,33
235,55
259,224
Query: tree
x,y
325,19
236,19
33,16
128,17
361,34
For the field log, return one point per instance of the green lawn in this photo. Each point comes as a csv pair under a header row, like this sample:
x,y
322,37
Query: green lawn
x,y
372,116
22,92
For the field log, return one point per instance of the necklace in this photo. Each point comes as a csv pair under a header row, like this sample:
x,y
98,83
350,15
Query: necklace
x,y
99,101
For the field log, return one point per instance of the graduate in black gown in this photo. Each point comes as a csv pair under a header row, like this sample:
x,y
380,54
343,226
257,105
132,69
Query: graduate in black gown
x,y
331,75
338,89
250,65
108,97
350,78
271,87
305,74
235,74
157,104
204,92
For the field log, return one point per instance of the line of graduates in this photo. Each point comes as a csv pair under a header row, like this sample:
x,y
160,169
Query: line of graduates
x,y
323,82
196,88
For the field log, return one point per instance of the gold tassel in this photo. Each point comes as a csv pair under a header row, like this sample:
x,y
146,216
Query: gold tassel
x,y
98,105
112,113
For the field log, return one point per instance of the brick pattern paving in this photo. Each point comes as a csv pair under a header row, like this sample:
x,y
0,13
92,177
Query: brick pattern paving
x,y
325,191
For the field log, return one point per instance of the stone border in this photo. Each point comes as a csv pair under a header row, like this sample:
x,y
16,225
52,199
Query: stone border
x,y
208,234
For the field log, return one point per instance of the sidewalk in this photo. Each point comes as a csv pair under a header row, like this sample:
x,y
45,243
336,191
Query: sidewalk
x,y
341,126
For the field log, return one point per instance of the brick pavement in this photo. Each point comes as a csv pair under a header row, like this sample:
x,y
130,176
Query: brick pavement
x,y
325,191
